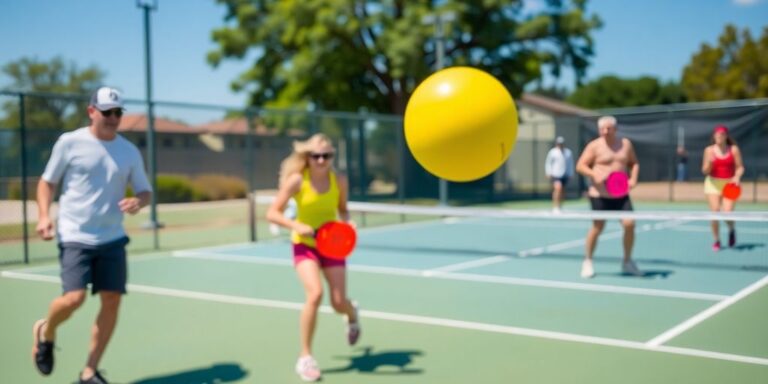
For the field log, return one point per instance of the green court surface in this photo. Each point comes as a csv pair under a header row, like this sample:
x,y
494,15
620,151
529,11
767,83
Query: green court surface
x,y
443,301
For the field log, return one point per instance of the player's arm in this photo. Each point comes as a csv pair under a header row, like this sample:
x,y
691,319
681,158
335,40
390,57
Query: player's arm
x,y
633,164
343,184
140,183
132,205
586,160
739,164
287,189
706,162
45,191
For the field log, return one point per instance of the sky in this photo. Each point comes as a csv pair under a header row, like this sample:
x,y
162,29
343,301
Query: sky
x,y
639,37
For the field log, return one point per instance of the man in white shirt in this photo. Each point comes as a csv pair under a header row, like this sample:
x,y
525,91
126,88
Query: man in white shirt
x,y
559,168
93,166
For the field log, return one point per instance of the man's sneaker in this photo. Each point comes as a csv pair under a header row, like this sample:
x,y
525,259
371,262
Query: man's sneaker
x,y
587,269
307,369
42,350
716,246
95,379
629,268
353,329
732,238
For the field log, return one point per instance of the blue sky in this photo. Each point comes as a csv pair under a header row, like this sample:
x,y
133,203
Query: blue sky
x,y
640,37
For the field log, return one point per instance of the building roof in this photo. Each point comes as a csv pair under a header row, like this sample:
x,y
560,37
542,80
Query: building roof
x,y
138,123
233,126
237,125
553,106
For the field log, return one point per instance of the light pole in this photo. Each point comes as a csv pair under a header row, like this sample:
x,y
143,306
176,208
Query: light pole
x,y
438,19
148,6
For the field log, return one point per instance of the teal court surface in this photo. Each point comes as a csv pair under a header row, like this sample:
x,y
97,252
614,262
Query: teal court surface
x,y
448,300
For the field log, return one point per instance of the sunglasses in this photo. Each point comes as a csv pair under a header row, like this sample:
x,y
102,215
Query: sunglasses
x,y
318,156
116,111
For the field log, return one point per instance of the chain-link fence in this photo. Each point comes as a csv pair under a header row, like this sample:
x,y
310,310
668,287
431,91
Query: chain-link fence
x,y
208,159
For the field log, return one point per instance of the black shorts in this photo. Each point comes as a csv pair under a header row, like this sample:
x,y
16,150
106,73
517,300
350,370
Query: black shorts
x,y
103,266
607,204
563,180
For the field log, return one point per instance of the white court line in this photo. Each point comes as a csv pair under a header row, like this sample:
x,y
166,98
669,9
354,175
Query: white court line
x,y
425,320
707,313
465,265
471,277
549,248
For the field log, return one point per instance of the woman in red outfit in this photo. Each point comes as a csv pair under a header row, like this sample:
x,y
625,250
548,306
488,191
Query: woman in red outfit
x,y
722,165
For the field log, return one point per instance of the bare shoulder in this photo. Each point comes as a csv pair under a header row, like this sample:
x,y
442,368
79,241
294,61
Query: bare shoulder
x,y
293,182
341,177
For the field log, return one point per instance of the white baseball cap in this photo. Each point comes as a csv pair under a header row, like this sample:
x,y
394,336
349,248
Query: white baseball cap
x,y
559,140
106,98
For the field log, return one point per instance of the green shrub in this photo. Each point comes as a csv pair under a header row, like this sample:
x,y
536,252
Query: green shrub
x,y
220,187
174,189
14,189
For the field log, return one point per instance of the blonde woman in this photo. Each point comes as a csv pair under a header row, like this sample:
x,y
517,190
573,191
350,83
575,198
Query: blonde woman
x,y
307,176
721,164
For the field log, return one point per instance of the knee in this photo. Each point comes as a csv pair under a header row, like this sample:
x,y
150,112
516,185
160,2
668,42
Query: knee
x,y
74,299
629,225
598,226
339,305
315,297
110,300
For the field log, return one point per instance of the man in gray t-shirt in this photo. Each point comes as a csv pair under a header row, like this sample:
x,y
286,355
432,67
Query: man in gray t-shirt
x,y
93,166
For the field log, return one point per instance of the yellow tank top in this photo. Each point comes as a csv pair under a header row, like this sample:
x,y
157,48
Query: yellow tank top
x,y
313,208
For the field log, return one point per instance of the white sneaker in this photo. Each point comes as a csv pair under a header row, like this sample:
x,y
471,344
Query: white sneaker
x,y
587,269
556,210
307,369
629,268
353,329
274,229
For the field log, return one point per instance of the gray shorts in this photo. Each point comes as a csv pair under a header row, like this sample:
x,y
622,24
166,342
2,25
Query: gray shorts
x,y
103,266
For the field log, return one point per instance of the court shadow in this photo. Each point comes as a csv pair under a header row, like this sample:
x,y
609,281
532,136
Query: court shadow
x,y
747,246
218,373
379,363
718,263
649,274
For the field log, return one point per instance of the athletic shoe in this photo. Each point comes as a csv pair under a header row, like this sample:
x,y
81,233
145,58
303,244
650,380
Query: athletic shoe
x,y
307,369
716,246
95,379
732,238
42,350
629,268
353,329
587,270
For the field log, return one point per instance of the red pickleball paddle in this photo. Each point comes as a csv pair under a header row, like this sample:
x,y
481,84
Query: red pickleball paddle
x,y
731,191
617,184
335,239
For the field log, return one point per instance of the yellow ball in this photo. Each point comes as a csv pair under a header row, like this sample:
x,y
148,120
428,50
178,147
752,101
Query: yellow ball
x,y
461,124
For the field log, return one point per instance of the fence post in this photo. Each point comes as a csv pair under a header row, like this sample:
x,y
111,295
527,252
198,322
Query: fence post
x,y
23,137
250,131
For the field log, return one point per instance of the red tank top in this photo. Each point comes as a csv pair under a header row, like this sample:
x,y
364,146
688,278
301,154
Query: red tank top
x,y
723,167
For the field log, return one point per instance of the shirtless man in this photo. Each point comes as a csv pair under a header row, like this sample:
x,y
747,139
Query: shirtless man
x,y
600,158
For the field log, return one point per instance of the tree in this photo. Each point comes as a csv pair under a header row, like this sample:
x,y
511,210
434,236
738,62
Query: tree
x,y
737,68
54,76
615,92
355,54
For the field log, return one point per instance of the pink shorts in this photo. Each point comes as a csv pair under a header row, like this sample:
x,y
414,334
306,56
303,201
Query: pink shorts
x,y
303,252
